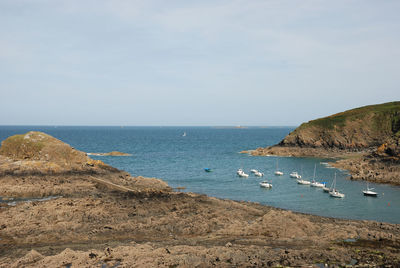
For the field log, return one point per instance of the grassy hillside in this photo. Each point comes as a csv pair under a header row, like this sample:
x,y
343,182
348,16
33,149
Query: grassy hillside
x,y
39,146
362,127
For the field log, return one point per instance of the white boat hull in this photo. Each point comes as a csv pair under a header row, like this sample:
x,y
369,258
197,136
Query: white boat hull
x,y
265,184
303,182
295,175
336,194
370,193
317,184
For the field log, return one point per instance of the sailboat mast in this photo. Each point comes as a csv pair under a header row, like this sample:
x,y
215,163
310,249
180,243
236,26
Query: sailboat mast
x,y
315,167
334,187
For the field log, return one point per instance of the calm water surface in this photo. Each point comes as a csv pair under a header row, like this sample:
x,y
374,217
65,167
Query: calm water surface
x,y
163,152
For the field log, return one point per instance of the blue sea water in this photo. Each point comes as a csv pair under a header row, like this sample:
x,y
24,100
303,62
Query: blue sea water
x,y
163,152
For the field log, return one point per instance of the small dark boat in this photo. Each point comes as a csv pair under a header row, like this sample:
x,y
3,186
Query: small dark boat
x,y
207,169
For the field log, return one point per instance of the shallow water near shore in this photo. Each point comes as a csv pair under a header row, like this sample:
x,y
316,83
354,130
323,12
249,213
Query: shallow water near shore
x,y
163,152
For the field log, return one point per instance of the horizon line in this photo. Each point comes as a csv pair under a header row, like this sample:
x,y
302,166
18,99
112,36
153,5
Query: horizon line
x,y
122,126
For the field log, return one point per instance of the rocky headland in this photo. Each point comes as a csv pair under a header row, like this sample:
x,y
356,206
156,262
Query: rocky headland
x,y
68,210
365,141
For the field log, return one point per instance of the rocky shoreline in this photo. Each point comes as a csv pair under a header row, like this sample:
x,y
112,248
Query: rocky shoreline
x,y
103,217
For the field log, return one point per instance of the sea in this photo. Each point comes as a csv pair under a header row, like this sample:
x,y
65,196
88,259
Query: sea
x,y
179,155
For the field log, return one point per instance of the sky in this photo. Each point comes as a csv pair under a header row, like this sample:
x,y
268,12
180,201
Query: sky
x,y
194,63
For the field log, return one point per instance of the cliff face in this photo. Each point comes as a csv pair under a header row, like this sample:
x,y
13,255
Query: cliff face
x,y
361,128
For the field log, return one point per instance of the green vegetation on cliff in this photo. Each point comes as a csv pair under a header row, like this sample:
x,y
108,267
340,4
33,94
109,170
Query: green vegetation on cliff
x,y
386,115
19,147
362,127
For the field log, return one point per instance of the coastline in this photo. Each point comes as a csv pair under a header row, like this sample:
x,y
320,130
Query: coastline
x,y
104,216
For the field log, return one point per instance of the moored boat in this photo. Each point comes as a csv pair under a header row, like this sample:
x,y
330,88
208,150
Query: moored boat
x,y
258,174
315,183
303,182
369,191
334,192
265,184
278,172
241,173
295,175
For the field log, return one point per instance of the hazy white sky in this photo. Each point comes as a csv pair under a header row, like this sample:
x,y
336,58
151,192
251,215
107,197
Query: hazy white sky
x,y
249,62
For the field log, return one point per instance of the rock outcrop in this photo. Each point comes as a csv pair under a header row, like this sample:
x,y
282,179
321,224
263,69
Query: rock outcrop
x,y
39,153
38,146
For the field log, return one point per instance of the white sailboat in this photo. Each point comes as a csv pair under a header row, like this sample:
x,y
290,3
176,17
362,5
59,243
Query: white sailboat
x,y
334,192
277,172
184,134
241,173
315,183
265,184
295,175
369,191
258,174
303,182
